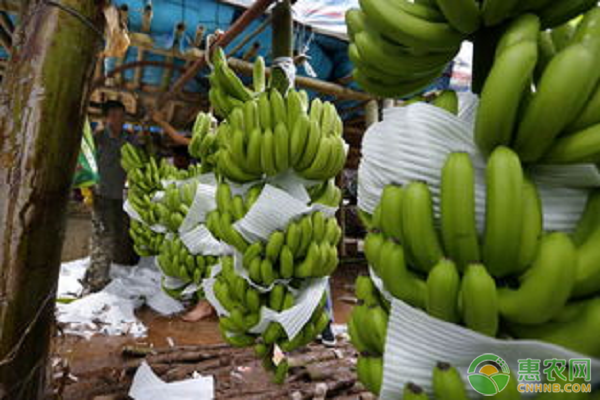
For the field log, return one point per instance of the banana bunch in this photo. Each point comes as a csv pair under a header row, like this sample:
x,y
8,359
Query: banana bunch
x,y
270,134
176,261
542,95
203,145
306,249
244,305
367,327
146,242
227,91
175,204
132,157
399,47
326,193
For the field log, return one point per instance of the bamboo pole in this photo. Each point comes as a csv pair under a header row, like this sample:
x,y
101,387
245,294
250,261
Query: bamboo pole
x,y
42,107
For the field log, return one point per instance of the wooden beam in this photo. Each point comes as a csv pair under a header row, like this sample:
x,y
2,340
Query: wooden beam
x,y
246,68
40,138
11,6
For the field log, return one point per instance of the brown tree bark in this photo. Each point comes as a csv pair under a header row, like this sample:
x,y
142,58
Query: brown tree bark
x,y
42,106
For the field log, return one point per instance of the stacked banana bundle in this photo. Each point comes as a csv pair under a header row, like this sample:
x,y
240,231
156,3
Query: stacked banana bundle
x,y
175,261
175,204
144,179
265,134
266,137
555,120
244,304
399,47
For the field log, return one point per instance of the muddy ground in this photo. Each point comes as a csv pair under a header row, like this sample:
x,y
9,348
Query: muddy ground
x,y
98,368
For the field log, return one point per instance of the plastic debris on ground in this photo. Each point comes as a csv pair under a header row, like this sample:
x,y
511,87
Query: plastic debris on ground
x,y
112,310
147,386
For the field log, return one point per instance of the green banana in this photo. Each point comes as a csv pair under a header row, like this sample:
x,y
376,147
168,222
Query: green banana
x,y
587,279
546,287
447,383
420,235
394,20
298,138
576,148
589,116
562,35
267,274
559,12
459,230
311,146
286,263
579,333
391,207
414,392
479,300
565,86
282,148
447,100
463,15
267,154
533,225
258,74
372,247
494,12
401,89
274,245
504,212
589,221
400,282
524,28
293,237
443,285
501,95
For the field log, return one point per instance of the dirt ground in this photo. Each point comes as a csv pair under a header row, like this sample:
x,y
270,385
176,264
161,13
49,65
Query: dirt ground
x,y
89,358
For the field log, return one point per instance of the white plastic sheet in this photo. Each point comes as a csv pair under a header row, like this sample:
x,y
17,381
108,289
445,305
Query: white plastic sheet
x,y
147,386
413,142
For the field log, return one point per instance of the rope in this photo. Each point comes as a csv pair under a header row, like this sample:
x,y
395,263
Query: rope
x,y
73,12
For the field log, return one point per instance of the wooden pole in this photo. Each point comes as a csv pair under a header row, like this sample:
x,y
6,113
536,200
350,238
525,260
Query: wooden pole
x,y
282,44
42,109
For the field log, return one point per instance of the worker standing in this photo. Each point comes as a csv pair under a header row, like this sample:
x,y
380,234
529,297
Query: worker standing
x,y
110,224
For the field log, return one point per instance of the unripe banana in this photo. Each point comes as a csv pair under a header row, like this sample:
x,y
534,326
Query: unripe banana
x,y
391,207
276,297
447,100
394,20
258,73
565,87
298,139
525,28
503,90
587,279
252,300
504,210
463,15
286,263
400,282
459,230
318,222
414,392
294,108
589,221
267,274
447,383
533,221
546,287
372,248
293,237
479,300
274,245
311,146
264,111
418,226
267,154
278,107
282,147
579,333
306,236
559,12
576,148
443,286
496,11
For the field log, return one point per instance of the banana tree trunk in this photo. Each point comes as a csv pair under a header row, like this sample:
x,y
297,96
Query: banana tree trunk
x,y
42,106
